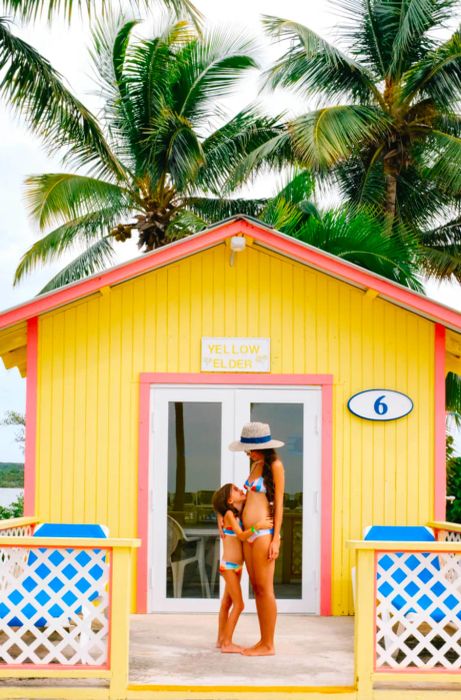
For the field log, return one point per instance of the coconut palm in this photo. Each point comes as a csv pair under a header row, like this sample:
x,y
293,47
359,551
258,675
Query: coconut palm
x,y
165,159
37,92
387,124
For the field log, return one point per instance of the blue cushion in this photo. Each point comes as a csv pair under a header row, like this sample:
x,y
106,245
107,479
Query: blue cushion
x,y
69,530
400,533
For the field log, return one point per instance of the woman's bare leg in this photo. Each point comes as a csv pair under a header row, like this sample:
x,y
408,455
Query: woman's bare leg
x,y
263,586
234,590
226,604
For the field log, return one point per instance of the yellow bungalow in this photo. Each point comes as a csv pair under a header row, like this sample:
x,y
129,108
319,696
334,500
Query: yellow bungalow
x,y
139,377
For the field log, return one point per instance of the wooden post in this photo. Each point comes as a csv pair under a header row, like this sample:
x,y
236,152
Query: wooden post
x,y
120,622
365,624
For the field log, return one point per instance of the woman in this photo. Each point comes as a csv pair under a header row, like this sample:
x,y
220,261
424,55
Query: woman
x,y
264,486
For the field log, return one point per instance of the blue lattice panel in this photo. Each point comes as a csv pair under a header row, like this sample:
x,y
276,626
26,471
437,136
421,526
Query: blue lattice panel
x,y
418,611
54,606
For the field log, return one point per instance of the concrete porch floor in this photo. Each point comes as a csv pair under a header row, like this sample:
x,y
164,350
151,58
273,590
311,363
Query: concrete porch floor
x,y
178,649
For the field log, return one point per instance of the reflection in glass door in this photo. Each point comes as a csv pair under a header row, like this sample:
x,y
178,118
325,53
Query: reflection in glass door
x,y
191,431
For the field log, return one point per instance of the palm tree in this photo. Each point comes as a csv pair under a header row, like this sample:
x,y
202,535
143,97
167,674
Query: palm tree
x,y
37,92
164,161
387,126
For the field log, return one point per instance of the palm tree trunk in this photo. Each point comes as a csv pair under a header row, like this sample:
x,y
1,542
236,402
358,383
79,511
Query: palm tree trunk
x,y
391,198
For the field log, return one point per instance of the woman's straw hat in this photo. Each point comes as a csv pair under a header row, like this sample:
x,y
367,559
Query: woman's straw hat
x,y
255,436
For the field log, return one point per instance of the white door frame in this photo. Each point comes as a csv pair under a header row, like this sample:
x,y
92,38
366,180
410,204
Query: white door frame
x,y
231,417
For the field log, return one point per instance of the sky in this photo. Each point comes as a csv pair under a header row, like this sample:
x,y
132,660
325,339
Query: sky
x,y
21,154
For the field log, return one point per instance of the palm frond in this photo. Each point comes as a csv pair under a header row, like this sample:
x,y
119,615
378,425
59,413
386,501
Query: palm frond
x,y
314,67
437,75
211,209
358,236
33,9
55,198
37,93
229,145
417,18
97,256
80,231
440,252
446,167
326,136
208,70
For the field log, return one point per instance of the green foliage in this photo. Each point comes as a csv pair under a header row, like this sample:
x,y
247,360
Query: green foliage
x,y
14,510
453,483
169,161
11,475
387,127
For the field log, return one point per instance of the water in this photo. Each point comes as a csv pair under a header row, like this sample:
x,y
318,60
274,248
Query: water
x,y
8,495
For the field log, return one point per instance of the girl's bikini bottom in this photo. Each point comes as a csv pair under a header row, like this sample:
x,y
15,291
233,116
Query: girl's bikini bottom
x,y
230,566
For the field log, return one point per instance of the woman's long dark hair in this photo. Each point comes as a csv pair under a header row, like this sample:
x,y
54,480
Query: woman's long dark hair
x,y
269,457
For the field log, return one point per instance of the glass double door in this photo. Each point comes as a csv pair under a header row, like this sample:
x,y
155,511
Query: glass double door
x,y
191,429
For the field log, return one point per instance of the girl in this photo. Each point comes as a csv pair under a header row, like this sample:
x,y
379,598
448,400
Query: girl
x,y
228,502
265,487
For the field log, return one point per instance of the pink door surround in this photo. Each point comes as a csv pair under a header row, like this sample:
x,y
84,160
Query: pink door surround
x,y
325,381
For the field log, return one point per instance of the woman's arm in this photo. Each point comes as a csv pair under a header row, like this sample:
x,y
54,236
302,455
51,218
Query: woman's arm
x,y
278,473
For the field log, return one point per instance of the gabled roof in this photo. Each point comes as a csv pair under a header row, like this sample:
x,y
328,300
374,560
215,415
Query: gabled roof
x,y
262,235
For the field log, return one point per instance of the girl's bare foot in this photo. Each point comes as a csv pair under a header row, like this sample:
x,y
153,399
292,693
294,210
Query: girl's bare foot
x,y
259,650
231,649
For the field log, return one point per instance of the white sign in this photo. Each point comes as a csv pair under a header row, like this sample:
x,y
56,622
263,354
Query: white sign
x,y
236,355
380,404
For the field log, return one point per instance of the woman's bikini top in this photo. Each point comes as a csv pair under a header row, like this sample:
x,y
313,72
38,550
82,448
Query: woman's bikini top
x,y
256,485
231,533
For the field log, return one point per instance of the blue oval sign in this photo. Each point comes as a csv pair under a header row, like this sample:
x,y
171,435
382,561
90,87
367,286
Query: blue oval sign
x,y
380,404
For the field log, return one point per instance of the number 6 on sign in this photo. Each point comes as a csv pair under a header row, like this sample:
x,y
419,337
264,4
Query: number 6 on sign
x,y
380,404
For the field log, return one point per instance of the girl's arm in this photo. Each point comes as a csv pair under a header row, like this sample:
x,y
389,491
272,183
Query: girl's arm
x,y
232,523
278,473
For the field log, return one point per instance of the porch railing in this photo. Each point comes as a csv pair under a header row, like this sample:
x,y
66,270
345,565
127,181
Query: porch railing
x,y
408,610
64,606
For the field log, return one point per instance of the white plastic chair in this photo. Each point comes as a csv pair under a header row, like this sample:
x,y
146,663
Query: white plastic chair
x,y
176,536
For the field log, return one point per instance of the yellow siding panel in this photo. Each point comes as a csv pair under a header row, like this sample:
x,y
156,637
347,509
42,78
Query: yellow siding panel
x,y
92,352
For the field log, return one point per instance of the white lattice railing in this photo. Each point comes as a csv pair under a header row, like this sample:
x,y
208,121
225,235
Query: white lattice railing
x,y
409,598
20,527
64,606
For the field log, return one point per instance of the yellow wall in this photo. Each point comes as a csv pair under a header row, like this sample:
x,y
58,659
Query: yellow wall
x,y
92,351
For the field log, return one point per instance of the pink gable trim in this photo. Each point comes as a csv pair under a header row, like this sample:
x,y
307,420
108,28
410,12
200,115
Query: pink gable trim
x,y
196,243
324,380
440,471
31,417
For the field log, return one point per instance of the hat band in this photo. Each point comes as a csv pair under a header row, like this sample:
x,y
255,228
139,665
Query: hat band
x,y
256,440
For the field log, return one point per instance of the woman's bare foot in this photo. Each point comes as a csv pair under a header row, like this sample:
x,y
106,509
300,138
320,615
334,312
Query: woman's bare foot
x,y
231,649
259,649
218,644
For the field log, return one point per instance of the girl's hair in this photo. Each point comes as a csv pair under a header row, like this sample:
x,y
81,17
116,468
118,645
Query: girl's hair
x,y
269,456
220,500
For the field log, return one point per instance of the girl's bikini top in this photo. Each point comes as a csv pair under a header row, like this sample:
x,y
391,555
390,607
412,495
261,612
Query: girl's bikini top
x,y
231,533
257,485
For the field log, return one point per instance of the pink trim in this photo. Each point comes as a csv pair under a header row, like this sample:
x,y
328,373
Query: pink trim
x,y
31,416
143,496
323,380
198,242
440,471
327,500
235,378
109,607
60,670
